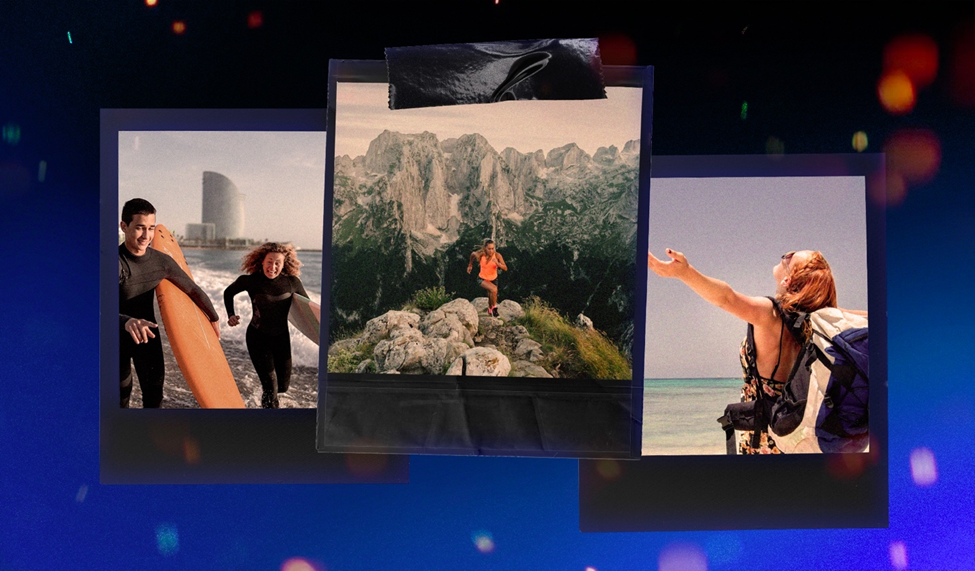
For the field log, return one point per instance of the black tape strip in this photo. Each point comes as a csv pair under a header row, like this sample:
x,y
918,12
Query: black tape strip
x,y
458,74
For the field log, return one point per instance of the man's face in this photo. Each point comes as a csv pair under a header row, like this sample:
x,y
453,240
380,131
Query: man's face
x,y
139,232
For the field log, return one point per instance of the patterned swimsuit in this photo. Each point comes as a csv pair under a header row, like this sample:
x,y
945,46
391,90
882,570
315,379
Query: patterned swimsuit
x,y
749,392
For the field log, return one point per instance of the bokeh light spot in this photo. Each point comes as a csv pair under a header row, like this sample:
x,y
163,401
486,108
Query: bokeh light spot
x,y
483,541
365,465
590,569
682,557
191,450
916,56
41,171
255,19
151,3
179,27
896,189
961,75
298,564
82,492
896,92
744,110
860,141
608,469
11,133
915,154
898,555
923,467
69,38
774,146
167,539
617,49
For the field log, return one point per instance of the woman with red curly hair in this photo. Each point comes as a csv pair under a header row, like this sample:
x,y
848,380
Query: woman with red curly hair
x,y
271,280
804,283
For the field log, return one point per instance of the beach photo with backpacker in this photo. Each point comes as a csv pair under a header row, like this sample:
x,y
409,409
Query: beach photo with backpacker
x,y
799,380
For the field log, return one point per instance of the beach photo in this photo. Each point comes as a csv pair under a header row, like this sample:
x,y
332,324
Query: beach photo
x,y
244,208
504,233
726,252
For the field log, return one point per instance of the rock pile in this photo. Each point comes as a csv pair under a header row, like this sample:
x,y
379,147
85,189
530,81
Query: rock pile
x,y
457,336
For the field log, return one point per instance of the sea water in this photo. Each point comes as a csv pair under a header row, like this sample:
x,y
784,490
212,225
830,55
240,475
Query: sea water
x,y
214,270
680,415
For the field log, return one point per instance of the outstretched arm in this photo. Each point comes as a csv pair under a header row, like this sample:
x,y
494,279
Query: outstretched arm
x,y
470,263
228,300
754,310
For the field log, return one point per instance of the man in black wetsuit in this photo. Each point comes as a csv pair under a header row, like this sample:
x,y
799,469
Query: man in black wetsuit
x,y
140,269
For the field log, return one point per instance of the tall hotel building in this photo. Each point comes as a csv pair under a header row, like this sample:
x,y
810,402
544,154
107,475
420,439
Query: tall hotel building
x,y
223,206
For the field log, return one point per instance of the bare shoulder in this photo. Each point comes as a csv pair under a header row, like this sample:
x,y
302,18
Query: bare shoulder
x,y
757,310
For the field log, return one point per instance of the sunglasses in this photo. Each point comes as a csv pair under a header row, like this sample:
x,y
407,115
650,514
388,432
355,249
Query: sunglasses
x,y
786,258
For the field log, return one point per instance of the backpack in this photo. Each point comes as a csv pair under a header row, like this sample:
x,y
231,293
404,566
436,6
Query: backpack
x,y
824,403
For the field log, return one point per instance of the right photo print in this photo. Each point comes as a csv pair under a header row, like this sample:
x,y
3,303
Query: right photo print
x,y
757,323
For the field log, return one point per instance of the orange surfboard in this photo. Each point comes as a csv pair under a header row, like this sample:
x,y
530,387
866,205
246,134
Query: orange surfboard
x,y
191,337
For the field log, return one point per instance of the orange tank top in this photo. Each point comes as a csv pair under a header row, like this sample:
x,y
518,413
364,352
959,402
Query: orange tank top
x,y
489,269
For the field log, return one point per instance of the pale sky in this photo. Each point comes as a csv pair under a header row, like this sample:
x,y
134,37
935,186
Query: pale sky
x,y
736,230
281,174
362,113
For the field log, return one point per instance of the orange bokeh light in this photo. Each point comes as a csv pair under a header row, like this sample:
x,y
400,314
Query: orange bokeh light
x,y
617,49
151,2
916,56
365,465
179,26
255,19
608,469
915,154
962,68
896,92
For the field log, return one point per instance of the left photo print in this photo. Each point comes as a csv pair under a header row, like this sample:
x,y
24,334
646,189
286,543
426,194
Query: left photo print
x,y
220,268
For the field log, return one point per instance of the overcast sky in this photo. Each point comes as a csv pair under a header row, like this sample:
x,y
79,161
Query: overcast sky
x,y
736,230
362,113
281,174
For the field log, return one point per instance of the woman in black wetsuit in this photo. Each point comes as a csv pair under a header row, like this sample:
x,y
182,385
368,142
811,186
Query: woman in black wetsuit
x,y
272,278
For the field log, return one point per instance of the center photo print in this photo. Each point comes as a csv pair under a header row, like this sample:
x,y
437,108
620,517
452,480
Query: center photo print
x,y
483,270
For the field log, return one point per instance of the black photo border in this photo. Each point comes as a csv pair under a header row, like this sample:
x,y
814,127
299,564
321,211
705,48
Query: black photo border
x,y
690,493
139,446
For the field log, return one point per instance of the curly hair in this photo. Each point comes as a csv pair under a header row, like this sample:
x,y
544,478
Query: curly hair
x,y
255,258
811,286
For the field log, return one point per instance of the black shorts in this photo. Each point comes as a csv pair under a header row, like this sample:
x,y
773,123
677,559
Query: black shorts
x,y
480,280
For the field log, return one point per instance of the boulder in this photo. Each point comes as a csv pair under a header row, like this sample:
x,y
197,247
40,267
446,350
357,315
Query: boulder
x,y
482,362
344,345
509,310
529,349
583,322
480,304
403,351
452,325
465,312
527,369
378,328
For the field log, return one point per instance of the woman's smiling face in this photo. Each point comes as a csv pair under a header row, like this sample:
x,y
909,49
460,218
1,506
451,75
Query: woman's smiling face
x,y
273,264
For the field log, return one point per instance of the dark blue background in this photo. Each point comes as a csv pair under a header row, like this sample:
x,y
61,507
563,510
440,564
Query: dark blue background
x,y
809,76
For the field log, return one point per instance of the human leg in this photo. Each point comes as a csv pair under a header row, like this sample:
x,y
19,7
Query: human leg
x,y
492,291
125,368
263,358
151,370
282,361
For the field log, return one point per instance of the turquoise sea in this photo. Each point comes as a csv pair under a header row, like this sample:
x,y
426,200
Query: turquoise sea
x,y
680,415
